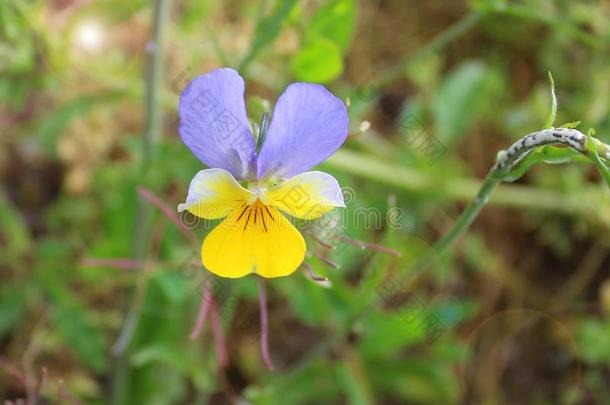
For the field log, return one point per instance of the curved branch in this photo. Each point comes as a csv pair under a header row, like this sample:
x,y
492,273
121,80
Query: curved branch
x,y
506,160
520,149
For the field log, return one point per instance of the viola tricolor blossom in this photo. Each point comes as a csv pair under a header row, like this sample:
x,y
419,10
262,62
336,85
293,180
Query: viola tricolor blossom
x,y
252,183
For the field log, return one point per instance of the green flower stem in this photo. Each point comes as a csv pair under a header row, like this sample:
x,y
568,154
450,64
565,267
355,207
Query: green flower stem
x,y
506,161
408,179
462,224
374,85
511,195
439,42
150,137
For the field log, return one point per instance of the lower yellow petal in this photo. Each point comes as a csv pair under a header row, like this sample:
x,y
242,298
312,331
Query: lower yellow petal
x,y
253,239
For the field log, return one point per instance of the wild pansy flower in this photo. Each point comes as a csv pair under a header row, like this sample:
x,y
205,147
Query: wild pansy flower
x,y
253,187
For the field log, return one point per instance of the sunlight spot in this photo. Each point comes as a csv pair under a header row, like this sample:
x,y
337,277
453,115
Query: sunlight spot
x,y
88,35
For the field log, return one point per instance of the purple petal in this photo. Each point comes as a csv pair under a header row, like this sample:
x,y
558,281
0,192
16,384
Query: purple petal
x,y
308,125
214,124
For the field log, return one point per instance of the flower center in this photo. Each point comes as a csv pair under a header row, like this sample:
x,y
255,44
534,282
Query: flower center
x,y
259,189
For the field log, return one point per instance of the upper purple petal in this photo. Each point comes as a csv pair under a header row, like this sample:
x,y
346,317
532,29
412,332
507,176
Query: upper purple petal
x,y
308,125
214,124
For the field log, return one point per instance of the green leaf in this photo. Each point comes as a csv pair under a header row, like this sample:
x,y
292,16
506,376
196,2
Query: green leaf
x,y
319,61
461,97
14,230
593,337
417,380
172,286
334,21
546,154
264,128
160,354
550,121
10,22
309,302
156,384
73,322
256,107
353,379
571,125
391,329
12,305
53,124
267,30
593,154
194,13
314,382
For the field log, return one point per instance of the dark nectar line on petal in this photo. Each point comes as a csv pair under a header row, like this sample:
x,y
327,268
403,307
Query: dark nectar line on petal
x,y
269,212
242,213
248,219
263,220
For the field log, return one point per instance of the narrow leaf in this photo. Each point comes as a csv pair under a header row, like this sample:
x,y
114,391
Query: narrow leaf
x,y
594,156
267,30
546,154
550,121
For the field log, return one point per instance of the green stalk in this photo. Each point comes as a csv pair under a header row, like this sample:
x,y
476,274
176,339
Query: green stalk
x,y
506,162
501,171
459,28
440,41
150,137
461,225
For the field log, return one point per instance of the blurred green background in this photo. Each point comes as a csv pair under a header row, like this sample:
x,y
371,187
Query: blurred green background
x,y
518,311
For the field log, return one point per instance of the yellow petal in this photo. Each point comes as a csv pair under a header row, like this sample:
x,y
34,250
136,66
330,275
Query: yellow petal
x,y
253,239
307,196
213,194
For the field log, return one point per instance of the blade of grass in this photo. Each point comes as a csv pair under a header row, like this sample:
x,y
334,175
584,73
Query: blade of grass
x,y
267,30
149,139
592,147
550,121
503,166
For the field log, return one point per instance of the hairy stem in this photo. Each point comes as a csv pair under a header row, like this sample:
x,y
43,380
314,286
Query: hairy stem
x,y
505,162
219,340
204,308
439,42
150,136
262,297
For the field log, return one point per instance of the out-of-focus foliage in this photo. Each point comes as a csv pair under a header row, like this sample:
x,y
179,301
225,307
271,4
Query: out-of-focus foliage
x,y
519,309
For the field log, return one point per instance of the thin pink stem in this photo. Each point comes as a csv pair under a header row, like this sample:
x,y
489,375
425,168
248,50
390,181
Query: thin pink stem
x,y
204,308
120,264
322,243
14,371
72,399
43,377
60,392
167,211
262,299
372,246
311,273
221,348
326,260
